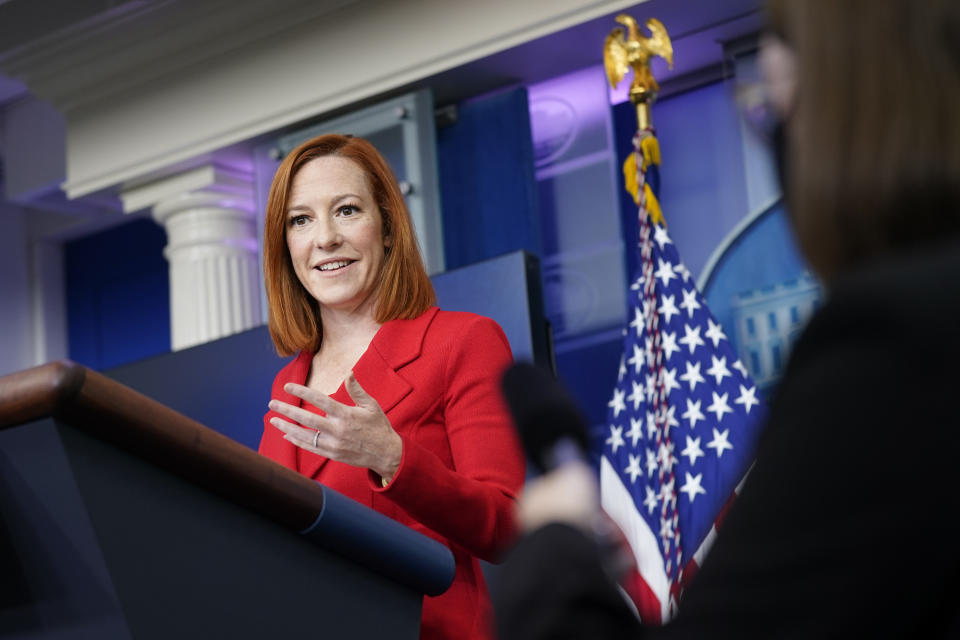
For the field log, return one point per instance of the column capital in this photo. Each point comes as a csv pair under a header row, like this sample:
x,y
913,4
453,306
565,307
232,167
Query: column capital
x,y
209,185
208,214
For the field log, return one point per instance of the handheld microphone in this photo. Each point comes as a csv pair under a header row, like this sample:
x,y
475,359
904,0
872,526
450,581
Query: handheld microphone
x,y
554,433
550,426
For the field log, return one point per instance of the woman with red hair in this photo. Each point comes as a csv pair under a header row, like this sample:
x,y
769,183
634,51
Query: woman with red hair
x,y
390,401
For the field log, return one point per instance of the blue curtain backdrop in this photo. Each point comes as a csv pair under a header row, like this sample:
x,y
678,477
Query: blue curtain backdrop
x,y
117,294
487,185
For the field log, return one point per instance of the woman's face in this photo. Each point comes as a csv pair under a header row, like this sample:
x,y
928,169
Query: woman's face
x,y
335,234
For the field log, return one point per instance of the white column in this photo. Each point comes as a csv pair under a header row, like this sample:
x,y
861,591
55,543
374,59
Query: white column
x,y
212,250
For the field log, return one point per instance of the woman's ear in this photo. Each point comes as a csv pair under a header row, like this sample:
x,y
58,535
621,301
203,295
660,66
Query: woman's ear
x,y
387,241
778,67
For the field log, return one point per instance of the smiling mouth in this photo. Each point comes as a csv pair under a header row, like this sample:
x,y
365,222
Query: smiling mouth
x,y
334,266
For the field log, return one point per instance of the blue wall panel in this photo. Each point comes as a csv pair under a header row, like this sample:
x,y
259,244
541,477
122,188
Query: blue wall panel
x,y
703,180
487,184
117,294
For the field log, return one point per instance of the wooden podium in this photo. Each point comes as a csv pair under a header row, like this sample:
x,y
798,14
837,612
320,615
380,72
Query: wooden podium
x,y
122,518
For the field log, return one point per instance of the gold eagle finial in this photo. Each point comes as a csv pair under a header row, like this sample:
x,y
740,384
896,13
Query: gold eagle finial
x,y
620,54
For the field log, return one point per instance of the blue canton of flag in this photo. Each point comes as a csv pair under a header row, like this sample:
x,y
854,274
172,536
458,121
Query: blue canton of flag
x,y
681,425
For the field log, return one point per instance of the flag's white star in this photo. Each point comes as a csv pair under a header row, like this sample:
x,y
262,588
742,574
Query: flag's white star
x,y
742,369
692,376
665,457
668,345
622,371
616,403
668,307
648,352
693,413
748,397
670,380
649,306
682,270
636,361
692,486
661,237
666,530
636,397
719,405
666,491
669,420
651,462
651,381
693,450
664,271
651,425
633,468
715,333
692,337
616,438
637,323
650,502
690,303
718,369
720,442
636,430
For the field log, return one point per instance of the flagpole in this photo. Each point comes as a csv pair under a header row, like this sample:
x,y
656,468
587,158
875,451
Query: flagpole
x,y
662,480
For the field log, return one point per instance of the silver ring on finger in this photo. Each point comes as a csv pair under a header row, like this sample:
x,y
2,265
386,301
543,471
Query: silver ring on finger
x,y
316,439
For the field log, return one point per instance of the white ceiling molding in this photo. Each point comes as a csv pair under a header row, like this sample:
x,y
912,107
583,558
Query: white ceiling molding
x,y
139,41
180,79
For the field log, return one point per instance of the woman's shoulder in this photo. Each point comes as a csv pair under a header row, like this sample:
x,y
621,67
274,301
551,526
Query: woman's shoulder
x,y
465,323
903,306
468,336
435,317
919,289
462,318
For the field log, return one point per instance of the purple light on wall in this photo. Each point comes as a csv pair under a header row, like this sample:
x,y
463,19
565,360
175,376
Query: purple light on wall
x,y
568,116
621,93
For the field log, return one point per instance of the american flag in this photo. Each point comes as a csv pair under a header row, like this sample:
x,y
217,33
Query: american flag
x,y
683,419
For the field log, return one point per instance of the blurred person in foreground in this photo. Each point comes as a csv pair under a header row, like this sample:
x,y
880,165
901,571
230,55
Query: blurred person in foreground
x,y
846,523
390,401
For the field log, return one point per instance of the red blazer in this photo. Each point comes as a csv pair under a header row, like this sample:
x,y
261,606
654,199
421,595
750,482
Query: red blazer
x,y
437,378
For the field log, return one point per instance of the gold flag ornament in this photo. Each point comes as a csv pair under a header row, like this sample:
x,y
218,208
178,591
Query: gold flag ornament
x,y
636,51
667,506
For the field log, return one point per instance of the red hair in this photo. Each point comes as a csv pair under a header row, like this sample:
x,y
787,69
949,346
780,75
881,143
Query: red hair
x,y
403,288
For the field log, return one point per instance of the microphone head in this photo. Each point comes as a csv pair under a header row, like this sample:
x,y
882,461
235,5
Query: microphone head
x,y
544,414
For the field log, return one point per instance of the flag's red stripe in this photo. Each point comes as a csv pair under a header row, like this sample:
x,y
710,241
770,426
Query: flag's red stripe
x,y
648,605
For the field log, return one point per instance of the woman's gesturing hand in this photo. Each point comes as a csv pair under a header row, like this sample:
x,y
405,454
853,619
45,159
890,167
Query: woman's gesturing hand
x,y
360,436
